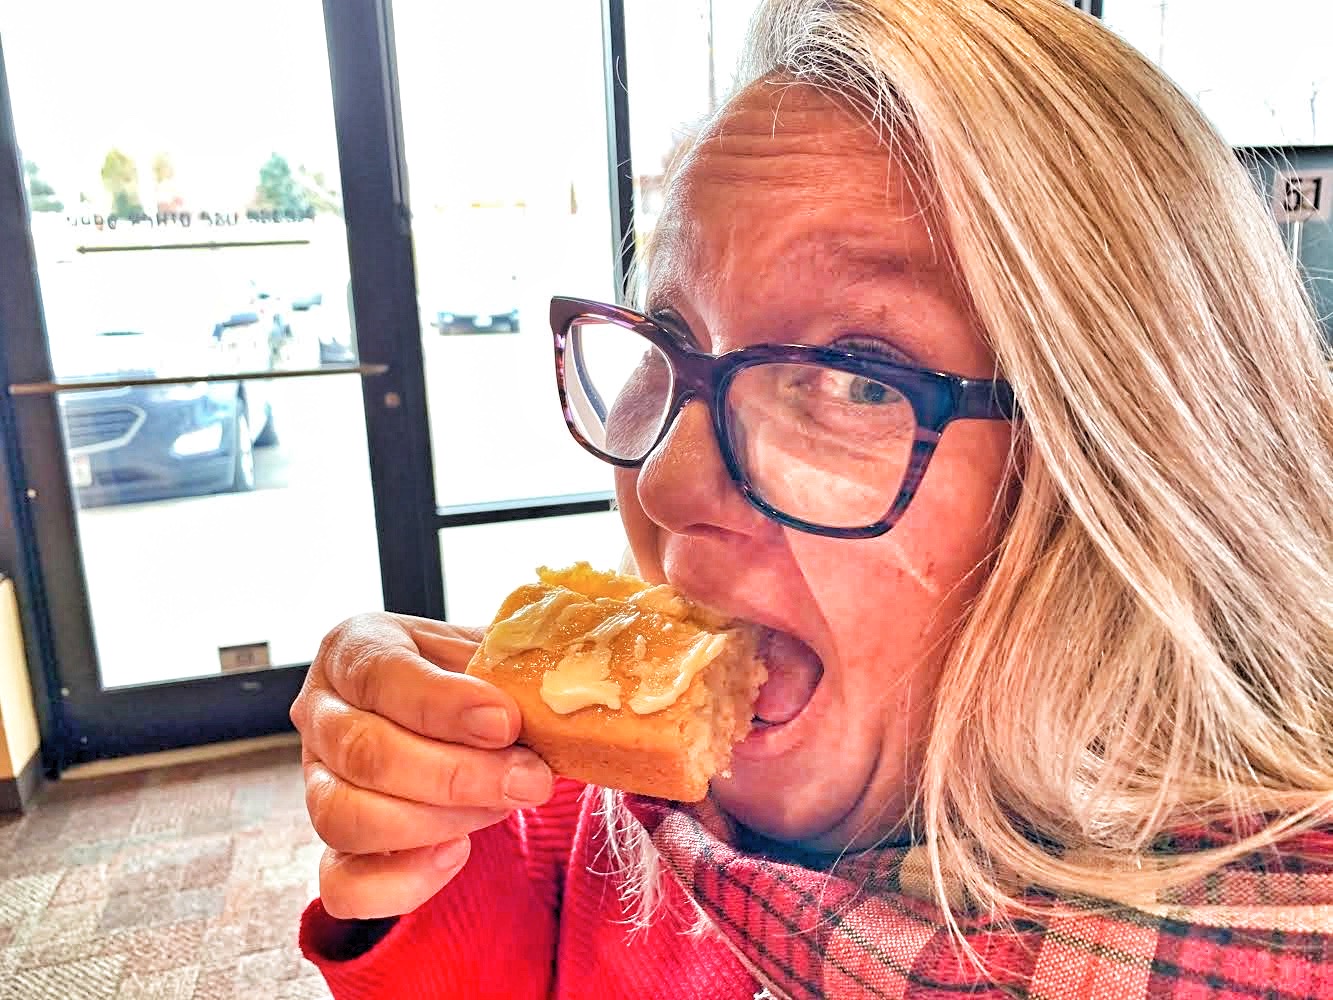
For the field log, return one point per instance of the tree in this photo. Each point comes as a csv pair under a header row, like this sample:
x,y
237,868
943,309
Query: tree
x,y
279,190
41,195
120,176
319,193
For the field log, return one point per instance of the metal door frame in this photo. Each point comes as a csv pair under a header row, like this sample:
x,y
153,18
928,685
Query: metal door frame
x,y
38,527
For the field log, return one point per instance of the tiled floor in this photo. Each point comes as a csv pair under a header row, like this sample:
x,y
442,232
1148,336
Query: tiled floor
x,y
185,883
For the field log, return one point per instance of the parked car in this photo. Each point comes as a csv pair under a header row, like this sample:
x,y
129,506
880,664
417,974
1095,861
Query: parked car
x,y
478,300
157,442
142,443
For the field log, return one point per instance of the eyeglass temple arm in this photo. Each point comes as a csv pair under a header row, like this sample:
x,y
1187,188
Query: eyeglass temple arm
x,y
984,399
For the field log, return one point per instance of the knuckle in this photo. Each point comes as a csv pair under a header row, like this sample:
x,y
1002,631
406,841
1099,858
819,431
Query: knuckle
x,y
316,804
333,638
358,751
336,890
429,715
455,782
330,896
314,807
361,674
335,816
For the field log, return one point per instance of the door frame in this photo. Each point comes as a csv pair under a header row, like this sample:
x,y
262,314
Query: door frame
x,y
78,720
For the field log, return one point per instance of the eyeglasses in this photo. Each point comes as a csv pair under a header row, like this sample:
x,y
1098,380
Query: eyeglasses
x,y
821,439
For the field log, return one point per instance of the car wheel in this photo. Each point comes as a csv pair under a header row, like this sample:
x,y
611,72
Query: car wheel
x,y
243,479
268,437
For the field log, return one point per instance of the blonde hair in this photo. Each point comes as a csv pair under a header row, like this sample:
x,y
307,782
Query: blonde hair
x,y
1153,645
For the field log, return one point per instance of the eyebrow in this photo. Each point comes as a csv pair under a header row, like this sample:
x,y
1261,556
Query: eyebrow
x,y
860,258
868,262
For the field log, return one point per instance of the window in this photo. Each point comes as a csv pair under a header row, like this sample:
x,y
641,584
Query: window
x,y
1260,72
504,126
682,61
484,562
187,223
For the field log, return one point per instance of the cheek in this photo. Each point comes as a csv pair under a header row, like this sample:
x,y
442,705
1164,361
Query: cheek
x,y
894,597
960,511
877,596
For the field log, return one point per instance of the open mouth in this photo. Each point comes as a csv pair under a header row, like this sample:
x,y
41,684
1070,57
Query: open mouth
x,y
794,671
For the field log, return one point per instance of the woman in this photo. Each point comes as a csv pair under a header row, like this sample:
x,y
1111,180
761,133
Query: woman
x,y
1064,730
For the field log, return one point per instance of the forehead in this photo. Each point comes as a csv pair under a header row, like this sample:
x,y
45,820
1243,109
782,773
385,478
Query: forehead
x,y
790,178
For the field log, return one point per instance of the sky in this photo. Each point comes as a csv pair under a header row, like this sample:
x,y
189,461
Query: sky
x,y
503,99
495,95
219,88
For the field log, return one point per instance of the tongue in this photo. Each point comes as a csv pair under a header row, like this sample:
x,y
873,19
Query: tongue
x,y
793,672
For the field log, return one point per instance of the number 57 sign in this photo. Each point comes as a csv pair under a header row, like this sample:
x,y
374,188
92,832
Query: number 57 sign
x,y
1304,196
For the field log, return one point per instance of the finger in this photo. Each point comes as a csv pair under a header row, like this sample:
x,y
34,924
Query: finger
x,y
441,642
376,669
361,821
366,886
374,753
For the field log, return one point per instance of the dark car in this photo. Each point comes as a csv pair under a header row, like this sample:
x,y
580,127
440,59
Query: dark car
x,y
143,443
478,300
152,443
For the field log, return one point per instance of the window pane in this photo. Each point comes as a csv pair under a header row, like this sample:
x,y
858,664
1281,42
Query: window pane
x,y
483,563
186,222
207,567
682,62
1261,72
505,141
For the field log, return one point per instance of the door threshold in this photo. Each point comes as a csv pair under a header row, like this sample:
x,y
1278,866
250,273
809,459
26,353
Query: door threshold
x,y
183,755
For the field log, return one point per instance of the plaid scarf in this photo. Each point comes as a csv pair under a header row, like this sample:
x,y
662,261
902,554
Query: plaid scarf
x,y
1261,927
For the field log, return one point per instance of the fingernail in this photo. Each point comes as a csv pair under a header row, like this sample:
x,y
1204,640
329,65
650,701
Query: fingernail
x,y
488,723
528,782
451,855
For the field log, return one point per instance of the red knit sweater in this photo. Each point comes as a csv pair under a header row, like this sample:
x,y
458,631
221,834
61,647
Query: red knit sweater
x,y
534,913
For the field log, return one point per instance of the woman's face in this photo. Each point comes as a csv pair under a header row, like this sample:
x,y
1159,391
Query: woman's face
x,y
791,223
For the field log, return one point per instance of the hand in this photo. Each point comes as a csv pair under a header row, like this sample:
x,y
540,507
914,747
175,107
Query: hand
x,y
404,757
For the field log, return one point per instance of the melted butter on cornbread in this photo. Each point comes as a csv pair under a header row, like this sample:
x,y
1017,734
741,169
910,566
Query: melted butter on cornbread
x,y
522,630
652,698
581,677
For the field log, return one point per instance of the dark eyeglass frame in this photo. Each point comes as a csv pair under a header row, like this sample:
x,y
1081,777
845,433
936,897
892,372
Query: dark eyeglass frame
x,y
937,399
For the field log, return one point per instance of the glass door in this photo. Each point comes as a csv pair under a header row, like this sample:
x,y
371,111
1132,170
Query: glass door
x,y
194,409
230,419
511,199
527,192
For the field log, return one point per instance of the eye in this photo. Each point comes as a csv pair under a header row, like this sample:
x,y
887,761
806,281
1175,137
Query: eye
x,y
875,347
863,390
843,389
857,389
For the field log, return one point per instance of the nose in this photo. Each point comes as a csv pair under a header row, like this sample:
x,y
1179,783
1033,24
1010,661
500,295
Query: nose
x,y
684,485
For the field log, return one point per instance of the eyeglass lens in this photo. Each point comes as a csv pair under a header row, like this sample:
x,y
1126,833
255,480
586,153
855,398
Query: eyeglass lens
x,y
820,445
